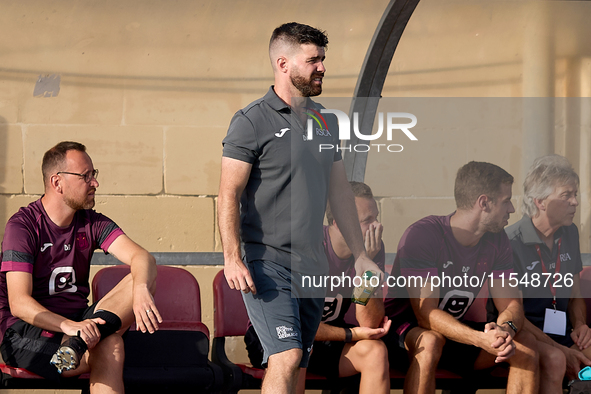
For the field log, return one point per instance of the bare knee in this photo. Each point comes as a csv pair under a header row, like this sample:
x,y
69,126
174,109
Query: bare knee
x,y
372,353
552,362
108,353
288,360
427,347
526,352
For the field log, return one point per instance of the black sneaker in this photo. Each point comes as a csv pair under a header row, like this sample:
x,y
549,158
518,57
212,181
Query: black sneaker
x,y
69,354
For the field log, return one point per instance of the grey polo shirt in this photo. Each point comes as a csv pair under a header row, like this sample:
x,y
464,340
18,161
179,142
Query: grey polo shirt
x,y
536,299
283,204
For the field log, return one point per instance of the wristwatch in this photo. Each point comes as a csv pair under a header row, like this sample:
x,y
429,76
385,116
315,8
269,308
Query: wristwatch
x,y
348,335
510,324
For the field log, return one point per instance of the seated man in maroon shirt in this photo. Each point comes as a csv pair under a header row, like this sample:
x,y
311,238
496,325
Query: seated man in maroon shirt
x,y
44,280
467,246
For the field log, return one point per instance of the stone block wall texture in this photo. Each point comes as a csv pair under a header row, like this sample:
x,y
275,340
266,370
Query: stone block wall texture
x,y
150,88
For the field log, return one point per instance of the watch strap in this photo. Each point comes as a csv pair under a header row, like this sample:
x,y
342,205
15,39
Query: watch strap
x,y
510,324
348,335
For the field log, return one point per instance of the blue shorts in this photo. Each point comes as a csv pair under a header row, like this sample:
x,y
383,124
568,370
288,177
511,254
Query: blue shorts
x,y
282,317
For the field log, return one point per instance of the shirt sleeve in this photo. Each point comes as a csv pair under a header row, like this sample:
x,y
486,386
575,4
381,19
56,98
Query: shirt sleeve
x,y
18,247
418,249
577,251
241,143
503,264
104,231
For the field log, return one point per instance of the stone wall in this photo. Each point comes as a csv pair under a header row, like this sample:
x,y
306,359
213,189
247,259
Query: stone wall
x,y
150,88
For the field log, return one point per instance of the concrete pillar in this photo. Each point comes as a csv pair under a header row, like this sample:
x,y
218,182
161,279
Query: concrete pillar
x,y
585,155
538,83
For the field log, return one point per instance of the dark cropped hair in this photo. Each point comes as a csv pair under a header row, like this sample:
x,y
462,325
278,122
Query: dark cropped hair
x,y
360,190
296,34
56,156
477,178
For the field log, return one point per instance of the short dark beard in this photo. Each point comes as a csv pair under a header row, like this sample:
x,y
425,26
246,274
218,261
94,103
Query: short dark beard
x,y
305,86
77,206
494,227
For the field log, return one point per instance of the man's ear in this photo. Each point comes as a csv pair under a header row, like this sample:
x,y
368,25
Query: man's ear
x,y
334,223
282,64
483,202
541,204
55,182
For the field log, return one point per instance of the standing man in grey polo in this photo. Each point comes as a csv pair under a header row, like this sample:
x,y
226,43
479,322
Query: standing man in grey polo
x,y
274,186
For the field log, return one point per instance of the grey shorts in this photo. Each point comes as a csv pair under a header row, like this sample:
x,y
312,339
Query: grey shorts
x,y
282,319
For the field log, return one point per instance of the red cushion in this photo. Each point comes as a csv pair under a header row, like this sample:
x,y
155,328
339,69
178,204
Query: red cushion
x,y
229,313
177,293
254,372
22,373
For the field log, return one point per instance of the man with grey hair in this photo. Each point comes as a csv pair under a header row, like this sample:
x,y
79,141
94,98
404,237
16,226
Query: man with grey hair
x,y
547,260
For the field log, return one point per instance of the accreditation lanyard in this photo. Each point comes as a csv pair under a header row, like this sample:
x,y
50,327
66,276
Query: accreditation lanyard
x,y
556,270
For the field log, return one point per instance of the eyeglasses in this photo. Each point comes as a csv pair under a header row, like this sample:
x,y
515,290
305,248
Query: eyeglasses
x,y
86,176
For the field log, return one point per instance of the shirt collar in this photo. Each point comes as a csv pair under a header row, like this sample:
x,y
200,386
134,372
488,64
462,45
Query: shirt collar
x,y
277,104
529,234
274,101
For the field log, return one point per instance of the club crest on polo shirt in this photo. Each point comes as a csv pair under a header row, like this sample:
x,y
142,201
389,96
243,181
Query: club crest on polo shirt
x,y
82,241
285,332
